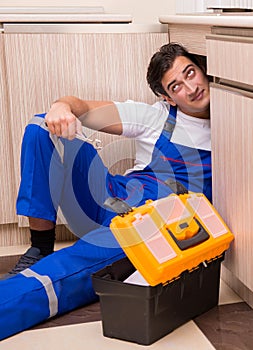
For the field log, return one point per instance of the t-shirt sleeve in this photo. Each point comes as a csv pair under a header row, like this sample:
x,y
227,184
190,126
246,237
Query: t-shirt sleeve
x,y
139,119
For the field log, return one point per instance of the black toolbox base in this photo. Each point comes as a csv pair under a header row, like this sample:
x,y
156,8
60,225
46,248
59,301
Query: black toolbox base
x,y
144,314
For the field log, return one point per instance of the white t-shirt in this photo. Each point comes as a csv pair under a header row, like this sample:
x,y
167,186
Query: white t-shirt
x,y
145,123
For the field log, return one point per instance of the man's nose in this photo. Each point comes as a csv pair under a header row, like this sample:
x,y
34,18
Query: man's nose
x,y
190,87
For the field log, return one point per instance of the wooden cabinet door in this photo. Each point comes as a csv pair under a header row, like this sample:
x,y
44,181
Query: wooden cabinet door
x,y
8,193
43,67
230,58
192,36
232,144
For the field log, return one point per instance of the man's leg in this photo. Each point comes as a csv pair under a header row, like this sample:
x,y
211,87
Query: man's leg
x,y
56,172
56,284
34,195
42,235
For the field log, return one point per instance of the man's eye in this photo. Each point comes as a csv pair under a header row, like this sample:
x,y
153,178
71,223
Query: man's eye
x,y
175,88
190,73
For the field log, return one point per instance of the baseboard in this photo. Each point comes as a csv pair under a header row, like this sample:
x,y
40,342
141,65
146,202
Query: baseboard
x,y
237,286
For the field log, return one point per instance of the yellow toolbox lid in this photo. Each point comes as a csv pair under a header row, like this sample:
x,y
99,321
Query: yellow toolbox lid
x,y
165,237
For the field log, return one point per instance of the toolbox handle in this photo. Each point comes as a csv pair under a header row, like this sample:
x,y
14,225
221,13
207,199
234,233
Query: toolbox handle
x,y
200,237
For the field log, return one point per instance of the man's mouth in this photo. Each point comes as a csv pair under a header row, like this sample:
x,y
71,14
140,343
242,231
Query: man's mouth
x,y
198,96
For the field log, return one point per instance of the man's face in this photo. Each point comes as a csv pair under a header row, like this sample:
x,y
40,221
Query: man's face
x,y
187,87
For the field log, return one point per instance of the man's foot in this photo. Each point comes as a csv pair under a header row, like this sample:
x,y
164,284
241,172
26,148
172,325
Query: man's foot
x,y
31,256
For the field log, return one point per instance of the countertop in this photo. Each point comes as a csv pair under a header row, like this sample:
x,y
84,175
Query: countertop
x,y
213,19
66,14
60,14
83,19
64,17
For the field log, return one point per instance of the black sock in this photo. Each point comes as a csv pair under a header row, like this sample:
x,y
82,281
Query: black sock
x,y
44,240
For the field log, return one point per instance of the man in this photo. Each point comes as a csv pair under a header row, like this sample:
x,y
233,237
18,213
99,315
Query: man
x,y
175,75
60,171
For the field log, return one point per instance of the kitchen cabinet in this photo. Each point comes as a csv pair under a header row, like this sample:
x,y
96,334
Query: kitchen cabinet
x,y
192,36
232,142
229,60
41,67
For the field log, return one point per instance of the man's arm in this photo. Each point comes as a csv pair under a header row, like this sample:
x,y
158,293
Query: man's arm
x,y
65,115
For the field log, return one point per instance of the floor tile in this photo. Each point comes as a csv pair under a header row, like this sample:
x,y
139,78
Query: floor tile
x,y
89,336
88,313
228,327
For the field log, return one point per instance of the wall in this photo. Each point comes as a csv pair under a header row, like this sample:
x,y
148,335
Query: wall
x,y
143,11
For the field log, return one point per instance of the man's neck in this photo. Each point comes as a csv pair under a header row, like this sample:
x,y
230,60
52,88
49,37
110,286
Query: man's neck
x,y
201,115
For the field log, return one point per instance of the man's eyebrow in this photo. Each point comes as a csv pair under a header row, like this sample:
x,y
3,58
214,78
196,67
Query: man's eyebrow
x,y
188,65
184,70
169,85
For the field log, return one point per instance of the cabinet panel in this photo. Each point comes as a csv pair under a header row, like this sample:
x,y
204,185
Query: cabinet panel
x,y
230,57
8,194
193,37
232,143
43,67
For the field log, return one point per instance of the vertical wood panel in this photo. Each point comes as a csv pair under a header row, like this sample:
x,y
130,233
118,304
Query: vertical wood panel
x,y
8,194
232,124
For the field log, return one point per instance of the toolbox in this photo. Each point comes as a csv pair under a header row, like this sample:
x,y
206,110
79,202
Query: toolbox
x,y
177,244
144,314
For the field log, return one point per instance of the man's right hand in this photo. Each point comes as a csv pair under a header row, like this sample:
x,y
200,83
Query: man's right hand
x,y
61,121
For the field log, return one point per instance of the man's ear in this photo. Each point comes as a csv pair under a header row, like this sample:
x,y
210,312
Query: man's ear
x,y
169,100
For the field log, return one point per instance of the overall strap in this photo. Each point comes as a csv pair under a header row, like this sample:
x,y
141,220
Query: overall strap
x,y
39,119
170,123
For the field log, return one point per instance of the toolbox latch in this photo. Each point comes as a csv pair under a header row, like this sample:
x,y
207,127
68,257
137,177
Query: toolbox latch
x,y
118,205
176,186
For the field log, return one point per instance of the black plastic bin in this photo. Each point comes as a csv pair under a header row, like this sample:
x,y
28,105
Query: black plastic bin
x,y
144,314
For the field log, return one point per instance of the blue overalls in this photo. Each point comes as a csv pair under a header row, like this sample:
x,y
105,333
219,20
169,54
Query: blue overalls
x,y
71,175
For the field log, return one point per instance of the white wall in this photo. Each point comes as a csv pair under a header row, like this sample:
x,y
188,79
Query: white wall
x,y
143,11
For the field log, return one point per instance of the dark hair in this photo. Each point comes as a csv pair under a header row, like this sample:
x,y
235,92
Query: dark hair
x,y
162,61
